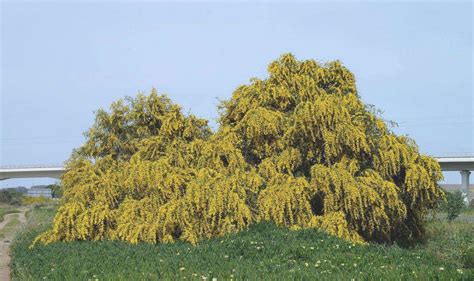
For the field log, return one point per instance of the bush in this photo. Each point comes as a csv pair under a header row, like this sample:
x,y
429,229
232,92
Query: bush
x,y
5,196
11,197
28,200
298,148
56,190
453,205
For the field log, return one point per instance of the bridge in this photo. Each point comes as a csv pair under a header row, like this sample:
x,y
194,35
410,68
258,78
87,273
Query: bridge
x,y
463,164
40,171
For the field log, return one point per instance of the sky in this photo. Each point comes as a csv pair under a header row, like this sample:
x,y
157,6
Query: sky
x,y
61,61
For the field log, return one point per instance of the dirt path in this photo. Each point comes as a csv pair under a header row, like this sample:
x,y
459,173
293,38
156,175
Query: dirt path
x,y
6,241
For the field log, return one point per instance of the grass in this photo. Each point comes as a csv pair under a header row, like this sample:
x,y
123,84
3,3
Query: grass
x,y
6,209
40,215
10,227
449,241
468,211
262,252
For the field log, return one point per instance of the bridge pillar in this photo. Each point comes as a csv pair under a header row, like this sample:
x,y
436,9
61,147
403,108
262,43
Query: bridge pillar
x,y
465,185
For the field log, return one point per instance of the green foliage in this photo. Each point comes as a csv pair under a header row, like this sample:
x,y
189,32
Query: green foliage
x,y
453,205
5,196
471,205
56,190
15,198
11,197
298,148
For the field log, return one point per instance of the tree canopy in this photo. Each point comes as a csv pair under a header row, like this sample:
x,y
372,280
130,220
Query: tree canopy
x,y
299,148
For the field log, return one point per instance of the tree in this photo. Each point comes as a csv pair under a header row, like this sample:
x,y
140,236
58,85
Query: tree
x,y
453,205
299,148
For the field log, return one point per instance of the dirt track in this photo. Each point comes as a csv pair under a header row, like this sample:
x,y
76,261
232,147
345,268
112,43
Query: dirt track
x,y
6,241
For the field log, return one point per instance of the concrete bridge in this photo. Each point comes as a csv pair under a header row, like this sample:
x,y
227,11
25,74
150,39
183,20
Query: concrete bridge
x,y
40,171
463,164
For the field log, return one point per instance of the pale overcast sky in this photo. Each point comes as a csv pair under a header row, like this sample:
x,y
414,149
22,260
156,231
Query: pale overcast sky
x,y
62,61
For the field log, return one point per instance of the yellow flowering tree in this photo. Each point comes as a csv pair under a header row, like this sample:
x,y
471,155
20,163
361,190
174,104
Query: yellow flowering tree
x,y
299,148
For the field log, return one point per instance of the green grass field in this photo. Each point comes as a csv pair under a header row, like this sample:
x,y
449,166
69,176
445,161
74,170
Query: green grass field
x,y
262,252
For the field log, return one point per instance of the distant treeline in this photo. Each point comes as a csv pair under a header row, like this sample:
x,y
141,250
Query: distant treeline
x,y
14,195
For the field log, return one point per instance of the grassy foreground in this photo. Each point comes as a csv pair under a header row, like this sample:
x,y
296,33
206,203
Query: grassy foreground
x,y
262,252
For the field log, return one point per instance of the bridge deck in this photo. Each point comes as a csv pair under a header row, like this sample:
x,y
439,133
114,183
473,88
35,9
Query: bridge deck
x,y
31,172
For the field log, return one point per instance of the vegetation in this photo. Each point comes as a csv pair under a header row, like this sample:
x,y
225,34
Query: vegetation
x,y
39,216
28,200
298,148
262,252
10,227
10,197
14,198
453,204
5,209
468,257
56,190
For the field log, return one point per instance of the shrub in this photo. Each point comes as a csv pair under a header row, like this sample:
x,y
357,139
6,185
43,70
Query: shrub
x,y
28,200
5,196
9,196
453,204
56,190
299,148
